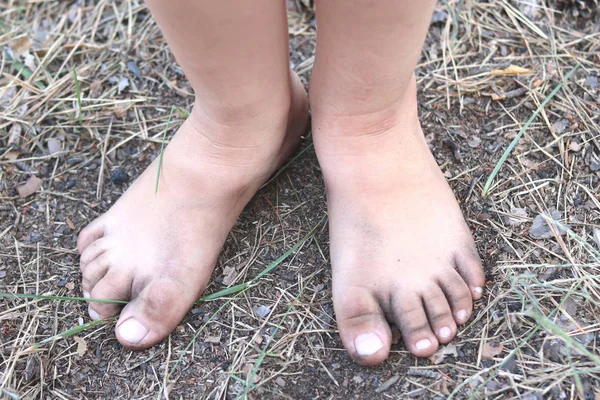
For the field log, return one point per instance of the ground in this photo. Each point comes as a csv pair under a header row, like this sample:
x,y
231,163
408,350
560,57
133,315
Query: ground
x,y
89,90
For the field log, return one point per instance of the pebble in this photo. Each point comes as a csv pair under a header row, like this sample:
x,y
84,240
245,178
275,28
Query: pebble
x,y
119,177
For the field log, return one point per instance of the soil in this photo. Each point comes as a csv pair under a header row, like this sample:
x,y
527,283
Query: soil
x,y
469,116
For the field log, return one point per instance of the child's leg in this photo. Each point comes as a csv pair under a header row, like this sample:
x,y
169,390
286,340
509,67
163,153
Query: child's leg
x,y
159,250
400,249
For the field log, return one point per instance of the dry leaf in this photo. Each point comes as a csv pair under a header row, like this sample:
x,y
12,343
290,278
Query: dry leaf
x,y
229,275
512,70
14,136
96,88
20,46
70,224
212,339
30,187
81,345
258,339
491,350
439,356
121,110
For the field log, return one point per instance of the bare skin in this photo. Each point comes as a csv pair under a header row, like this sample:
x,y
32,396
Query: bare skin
x,y
160,250
401,252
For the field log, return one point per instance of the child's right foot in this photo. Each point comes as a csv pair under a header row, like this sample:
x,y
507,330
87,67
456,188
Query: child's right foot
x,y
400,250
158,251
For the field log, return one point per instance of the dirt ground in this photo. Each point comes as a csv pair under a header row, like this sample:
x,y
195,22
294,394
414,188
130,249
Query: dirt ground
x,y
89,88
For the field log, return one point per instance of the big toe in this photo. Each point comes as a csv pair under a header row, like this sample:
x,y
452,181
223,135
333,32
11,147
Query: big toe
x,y
363,327
153,313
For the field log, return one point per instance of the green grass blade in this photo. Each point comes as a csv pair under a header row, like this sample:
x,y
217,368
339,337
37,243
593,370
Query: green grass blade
x,y
285,255
62,298
291,161
162,149
73,331
22,69
225,292
514,142
78,92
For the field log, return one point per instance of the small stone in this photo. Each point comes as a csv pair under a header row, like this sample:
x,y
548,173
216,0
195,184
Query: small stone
x,y
54,146
591,81
280,381
540,228
71,183
261,311
132,66
119,177
518,216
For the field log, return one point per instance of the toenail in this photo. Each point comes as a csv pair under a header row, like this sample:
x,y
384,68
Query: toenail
x,y
478,290
86,294
367,344
132,331
462,315
93,314
445,332
423,344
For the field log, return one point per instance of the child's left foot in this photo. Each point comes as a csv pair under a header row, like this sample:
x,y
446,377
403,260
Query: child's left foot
x,y
400,249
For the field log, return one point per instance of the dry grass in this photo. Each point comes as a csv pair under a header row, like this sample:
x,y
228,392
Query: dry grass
x,y
534,334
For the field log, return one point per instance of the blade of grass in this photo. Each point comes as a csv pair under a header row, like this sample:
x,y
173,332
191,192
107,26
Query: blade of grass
x,y
73,331
78,92
62,298
514,142
22,69
263,353
292,160
162,148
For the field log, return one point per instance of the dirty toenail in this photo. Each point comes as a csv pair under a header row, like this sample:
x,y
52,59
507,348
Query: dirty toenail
x,y
367,344
132,331
93,314
423,344
478,290
86,294
462,315
445,332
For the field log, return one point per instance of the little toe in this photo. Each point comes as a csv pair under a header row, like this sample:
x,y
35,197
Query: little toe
x,y
470,269
363,327
89,234
93,273
113,286
414,326
459,296
439,314
154,313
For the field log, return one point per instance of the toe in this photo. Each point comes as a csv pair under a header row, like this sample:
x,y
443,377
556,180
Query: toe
x,y
459,296
93,273
154,313
92,251
89,234
469,267
439,314
412,321
113,286
363,327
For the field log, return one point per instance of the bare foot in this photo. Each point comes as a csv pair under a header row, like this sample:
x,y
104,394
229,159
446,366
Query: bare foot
x,y
159,250
400,250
